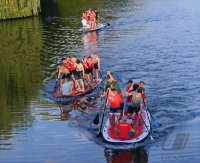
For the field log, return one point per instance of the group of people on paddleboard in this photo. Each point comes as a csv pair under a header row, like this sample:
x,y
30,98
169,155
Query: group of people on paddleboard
x,y
126,122
75,75
90,19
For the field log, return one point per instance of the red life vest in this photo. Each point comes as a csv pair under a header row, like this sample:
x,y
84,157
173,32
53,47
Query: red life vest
x,y
114,99
65,63
90,65
70,65
124,127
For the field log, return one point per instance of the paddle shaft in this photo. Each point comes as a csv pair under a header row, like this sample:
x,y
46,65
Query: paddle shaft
x,y
100,133
56,80
152,117
146,125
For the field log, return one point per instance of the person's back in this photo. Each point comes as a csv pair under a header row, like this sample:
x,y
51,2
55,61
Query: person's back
x,y
125,130
136,99
66,87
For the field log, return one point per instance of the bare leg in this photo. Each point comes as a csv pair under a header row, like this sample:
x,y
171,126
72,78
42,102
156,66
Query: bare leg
x,y
82,84
97,74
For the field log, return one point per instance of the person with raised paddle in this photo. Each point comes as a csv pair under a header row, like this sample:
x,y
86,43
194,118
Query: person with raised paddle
x,y
114,83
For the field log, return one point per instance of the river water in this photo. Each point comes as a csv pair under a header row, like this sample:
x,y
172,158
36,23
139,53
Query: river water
x,y
154,41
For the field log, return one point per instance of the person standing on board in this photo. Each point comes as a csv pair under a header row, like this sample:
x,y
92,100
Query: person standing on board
x,y
80,74
141,85
63,70
114,100
86,69
114,83
84,21
136,104
96,61
71,65
131,87
90,65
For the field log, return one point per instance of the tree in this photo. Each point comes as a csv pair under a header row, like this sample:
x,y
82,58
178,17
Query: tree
x,y
10,9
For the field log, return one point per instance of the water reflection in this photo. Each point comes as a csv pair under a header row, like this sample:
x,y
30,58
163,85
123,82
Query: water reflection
x,y
126,156
64,112
20,72
86,105
90,42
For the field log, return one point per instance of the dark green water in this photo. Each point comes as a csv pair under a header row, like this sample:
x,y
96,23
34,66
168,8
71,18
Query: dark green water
x,y
154,41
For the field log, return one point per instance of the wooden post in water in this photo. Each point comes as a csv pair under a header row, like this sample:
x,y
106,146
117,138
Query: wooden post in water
x,y
10,9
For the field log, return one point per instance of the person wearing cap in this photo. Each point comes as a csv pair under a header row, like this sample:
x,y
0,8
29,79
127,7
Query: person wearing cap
x,y
136,102
124,129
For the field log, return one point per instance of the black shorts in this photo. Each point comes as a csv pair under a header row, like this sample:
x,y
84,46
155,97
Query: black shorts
x,y
90,71
86,71
66,76
96,66
73,72
132,109
78,75
122,106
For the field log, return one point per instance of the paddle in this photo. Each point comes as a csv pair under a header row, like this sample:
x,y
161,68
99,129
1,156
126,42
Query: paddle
x,y
151,137
96,119
100,132
104,110
154,122
56,81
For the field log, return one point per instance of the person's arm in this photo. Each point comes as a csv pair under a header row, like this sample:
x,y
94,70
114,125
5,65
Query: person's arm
x,y
98,63
107,100
58,71
141,104
61,85
83,71
108,73
128,94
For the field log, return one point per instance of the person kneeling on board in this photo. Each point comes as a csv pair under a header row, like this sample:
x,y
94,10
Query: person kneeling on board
x,y
125,130
66,87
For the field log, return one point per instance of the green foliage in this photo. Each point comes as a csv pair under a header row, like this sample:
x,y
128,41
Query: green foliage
x,y
10,9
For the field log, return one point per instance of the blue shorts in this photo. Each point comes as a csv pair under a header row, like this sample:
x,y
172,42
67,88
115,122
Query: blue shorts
x,y
115,110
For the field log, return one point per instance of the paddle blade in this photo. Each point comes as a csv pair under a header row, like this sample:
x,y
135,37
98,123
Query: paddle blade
x,y
151,137
156,124
99,134
96,119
